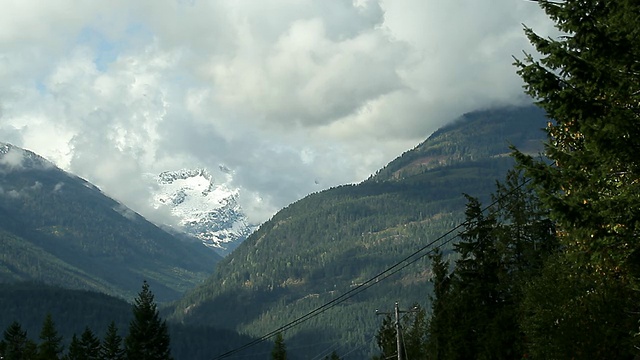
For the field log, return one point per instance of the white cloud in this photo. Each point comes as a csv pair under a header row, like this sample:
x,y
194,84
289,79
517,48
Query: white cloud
x,y
58,187
13,159
292,96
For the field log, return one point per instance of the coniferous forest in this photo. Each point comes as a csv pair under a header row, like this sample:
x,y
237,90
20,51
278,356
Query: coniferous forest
x,y
546,264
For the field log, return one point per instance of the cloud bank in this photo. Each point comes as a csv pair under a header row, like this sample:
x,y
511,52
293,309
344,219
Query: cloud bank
x,y
291,96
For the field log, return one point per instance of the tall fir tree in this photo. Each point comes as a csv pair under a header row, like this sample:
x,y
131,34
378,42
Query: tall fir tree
x,y
476,297
439,331
15,344
75,349
588,81
148,337
50,346
111,346
476,310
87,347
279,351
386,338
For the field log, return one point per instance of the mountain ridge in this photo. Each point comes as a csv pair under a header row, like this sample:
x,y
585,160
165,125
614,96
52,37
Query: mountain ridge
x,y
60,229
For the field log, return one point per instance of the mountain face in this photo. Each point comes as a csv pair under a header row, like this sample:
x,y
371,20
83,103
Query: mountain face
x,y
327,244
59,229
206,210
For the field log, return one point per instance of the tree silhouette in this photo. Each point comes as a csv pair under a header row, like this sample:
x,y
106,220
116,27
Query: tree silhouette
x,y
15,344
148,337
279,351
111,347
50,347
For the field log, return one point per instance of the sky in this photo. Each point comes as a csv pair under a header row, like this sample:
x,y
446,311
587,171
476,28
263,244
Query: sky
x,y
289,96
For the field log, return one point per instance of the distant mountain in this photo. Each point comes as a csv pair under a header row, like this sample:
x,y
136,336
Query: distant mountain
x,y
206,207
59,229
328,243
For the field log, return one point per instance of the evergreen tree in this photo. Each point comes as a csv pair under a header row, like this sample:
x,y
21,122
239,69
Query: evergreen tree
x,y
279,351
588,81
111,347
333,356
50,346
476,297
386,338
148,337
439,330
476,310
16,345
85,348
75,349
413,332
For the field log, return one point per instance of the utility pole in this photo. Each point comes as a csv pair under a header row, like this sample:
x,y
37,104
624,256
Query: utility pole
x,y
397,313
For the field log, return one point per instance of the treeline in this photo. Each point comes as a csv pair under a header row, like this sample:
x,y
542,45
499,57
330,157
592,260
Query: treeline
x,y
75,311
551,270
147,338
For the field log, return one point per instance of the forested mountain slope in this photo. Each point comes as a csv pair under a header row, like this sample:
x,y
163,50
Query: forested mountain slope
x,y
322,246
59,229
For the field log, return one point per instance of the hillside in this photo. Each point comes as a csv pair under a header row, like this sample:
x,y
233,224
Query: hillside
x,y
28,303
59,229
322,246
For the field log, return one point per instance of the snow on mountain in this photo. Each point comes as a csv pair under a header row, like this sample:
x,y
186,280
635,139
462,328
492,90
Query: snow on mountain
x,y
15,158
206,208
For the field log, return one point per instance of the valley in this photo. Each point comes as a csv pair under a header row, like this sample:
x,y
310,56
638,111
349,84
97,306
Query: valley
x,y
310,253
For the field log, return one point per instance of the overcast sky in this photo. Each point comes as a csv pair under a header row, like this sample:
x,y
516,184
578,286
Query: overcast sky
x,y
293,96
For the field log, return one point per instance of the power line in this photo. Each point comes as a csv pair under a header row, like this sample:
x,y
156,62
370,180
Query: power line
x,y
398,266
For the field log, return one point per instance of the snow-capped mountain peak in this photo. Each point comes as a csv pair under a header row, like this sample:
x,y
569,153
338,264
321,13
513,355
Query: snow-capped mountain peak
x,y
206,208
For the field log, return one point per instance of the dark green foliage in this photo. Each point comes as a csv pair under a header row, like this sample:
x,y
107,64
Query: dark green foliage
x,y
148,337
386,338
15,344
85,348
59,229
413,332
50,346
576,314
477,310
279,351
111,346
75,349
73,310
439,328
333,356
588,82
